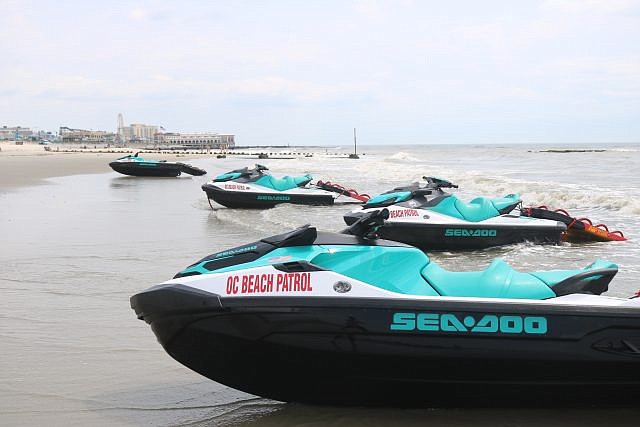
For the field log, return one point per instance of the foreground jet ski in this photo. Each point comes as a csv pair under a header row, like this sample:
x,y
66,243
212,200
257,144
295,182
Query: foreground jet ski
x,y
328,318
137,166
432,219
255,188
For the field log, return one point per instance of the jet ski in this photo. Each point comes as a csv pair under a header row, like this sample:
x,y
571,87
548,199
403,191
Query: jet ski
x,y
256,188
352,319
431,219
137,166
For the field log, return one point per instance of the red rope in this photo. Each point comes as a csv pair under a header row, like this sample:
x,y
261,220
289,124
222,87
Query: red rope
x,y
586,221
350,192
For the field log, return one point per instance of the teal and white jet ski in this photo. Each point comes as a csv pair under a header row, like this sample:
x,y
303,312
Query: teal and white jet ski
x,y
256,188
431,219
350,319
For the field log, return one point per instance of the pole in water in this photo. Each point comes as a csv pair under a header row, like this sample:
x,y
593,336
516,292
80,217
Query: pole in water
x,y
355,146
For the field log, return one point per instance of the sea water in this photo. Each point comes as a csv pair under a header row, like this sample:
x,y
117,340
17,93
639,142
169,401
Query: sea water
x,y
74,250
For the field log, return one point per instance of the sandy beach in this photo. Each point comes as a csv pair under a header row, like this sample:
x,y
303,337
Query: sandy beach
x,y
30,163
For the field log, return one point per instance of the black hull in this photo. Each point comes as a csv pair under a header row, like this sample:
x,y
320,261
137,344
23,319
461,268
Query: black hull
x,y
240,199
342,351
159,169
132,169
465,236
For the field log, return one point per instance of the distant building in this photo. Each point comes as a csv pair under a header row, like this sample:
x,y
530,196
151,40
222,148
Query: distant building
x,y
82,135
213,140
136,132
15,133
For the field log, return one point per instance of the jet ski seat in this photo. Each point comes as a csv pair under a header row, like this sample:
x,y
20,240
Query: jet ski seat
x,y
478,209
388,198
284,183
500,280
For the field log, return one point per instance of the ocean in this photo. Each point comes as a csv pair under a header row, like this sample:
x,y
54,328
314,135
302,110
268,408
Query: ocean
x,y
75,249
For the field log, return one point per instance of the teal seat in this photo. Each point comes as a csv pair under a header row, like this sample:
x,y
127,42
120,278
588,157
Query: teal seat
x,y
499,280
391,268
478,209
228,176
400,196
284,183
555,276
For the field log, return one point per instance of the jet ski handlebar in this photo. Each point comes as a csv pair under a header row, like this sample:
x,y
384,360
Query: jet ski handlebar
x,y
367,226
434,182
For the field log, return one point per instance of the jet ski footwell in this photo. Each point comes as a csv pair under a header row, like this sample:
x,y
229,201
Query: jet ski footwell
x,y
408,353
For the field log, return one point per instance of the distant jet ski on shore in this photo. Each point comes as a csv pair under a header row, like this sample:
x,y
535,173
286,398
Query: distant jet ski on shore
x,y
432,219
256,188
137,166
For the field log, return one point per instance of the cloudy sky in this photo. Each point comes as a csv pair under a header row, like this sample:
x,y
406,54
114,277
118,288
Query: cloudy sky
x,y
307,72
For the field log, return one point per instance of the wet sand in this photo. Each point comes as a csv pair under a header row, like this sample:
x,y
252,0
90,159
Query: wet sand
x,y
30,164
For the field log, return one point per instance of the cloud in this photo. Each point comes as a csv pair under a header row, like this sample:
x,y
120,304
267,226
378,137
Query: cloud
x,y
591,6
80,87
138,14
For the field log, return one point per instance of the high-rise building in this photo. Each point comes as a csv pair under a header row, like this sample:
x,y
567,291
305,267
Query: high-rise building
x,y
136,132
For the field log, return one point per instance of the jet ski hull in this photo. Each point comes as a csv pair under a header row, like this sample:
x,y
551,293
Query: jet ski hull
x,y
255,200
373,351
467,235
157,169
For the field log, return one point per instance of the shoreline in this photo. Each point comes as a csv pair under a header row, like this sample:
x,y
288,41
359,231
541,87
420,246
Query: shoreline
x,y
29,164
32,164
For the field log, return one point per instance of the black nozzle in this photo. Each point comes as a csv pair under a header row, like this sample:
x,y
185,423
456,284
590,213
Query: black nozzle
x,y
367,226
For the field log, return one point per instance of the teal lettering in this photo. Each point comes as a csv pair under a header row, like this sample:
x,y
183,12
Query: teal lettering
x,y
428,322
488,324
403,322
535,325
511,324
463,232
450,323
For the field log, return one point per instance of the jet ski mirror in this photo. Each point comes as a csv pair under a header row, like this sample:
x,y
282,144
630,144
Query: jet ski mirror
x,y
367,226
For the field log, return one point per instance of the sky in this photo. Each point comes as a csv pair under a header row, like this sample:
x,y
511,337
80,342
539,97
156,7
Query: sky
x,y
307,72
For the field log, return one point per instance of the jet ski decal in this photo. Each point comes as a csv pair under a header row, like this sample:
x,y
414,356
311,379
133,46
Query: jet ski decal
x,y
403,213
272,198
462,232
269,282
488,323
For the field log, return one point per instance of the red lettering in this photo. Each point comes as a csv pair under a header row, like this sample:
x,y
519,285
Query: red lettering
x,y
245,281
403,213
232,285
